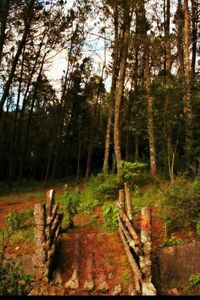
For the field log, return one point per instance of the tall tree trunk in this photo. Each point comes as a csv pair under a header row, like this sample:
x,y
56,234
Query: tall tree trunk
x,y
151,130
120,86
195,18
25,147
187,96
4,12
180,46
14,140
27,24
112,94
167,39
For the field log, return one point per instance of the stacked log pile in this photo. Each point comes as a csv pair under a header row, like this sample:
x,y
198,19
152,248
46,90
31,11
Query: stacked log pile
x,y
138,247
46,231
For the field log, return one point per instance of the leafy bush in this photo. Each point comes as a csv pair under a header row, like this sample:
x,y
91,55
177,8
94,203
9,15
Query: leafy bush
x,y
110,214
105,187
198,227
13,281
71,202
131,170
88,206
180,207
194,280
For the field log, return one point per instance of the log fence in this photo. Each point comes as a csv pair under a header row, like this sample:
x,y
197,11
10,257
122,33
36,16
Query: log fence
x,y
47,230
138,247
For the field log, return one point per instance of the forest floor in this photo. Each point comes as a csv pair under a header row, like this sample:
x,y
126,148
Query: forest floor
x,y
99,255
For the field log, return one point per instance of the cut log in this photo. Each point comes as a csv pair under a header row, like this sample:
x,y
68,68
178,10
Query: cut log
x,y
51,218
89,283
135,268
128,201
132,244
73,282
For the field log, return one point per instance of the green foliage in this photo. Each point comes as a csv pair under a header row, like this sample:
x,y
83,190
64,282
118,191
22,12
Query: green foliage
x,y
131,169
172,241
110,214
71,202
198,227
105,187
180,206
194,280
88,206
16,219
13,281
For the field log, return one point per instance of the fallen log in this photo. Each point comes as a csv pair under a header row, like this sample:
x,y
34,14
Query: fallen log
x,y
132,244
129,227
137,272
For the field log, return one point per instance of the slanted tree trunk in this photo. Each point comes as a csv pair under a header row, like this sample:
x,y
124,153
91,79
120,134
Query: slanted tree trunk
x,y
27,24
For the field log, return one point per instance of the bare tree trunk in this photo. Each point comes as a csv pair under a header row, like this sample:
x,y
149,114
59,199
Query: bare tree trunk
x,y
23,157
151,132
120,87
113,88
180,26
195,18
187,95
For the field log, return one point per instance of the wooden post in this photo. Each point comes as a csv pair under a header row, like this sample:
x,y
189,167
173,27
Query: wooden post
x,y
145,260
128,201
39,233
50,202
122,199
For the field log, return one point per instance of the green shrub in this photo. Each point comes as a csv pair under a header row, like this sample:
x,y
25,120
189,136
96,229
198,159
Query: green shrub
x,y
105,187
131,170
180,207
172,241
110,214
88,206
198,227
71,202
194,280
13,281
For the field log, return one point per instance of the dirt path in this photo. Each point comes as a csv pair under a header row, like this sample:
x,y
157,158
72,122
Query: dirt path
x,y
101,258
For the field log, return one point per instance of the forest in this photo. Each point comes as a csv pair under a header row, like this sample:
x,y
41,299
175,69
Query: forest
x,y
139,104
98,93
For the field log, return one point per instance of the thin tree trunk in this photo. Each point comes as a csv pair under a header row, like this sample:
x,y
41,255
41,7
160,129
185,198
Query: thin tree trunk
x,y
112,94
180,25
120,86
25,147
187,96
151,131
194,36
17,55
14,140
